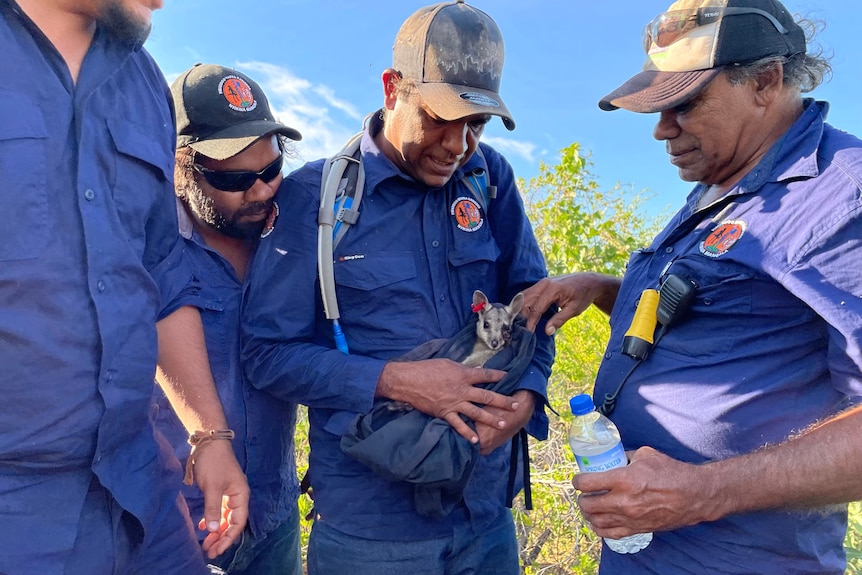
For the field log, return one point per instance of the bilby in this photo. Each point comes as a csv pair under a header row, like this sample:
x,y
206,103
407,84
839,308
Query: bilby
x,y
493,328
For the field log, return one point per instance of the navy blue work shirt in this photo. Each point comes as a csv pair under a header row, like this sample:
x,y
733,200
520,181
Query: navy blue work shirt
x,y
770,345
264,426
90,259
404,274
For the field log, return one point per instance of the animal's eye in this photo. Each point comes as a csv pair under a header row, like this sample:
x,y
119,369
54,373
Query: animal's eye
x,y
486,325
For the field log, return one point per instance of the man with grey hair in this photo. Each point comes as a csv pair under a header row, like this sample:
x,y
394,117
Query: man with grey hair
x,y
741,405
405,273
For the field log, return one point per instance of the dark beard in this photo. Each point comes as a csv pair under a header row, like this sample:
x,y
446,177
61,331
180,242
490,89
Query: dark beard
x,y
119,23
205,210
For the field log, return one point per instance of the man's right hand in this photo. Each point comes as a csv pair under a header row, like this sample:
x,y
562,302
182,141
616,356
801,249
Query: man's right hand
x,y
444,388
573,293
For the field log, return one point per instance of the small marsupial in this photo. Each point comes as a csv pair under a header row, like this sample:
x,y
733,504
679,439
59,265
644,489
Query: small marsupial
x,y
493,328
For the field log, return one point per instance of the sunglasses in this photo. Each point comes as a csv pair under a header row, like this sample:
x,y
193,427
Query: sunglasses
x,y
667,28
239,181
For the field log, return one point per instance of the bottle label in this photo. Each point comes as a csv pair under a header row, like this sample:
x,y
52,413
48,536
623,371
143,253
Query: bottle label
x,y
610,459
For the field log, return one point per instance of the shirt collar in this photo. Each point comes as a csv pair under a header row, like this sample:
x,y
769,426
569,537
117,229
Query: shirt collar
x,y
186,225
793,156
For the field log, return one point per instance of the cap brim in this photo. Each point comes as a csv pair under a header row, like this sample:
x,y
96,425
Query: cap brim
x,y
654,91
233,140
455,101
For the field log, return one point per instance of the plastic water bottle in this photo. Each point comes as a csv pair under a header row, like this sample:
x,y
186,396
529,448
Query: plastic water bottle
x,y
595,441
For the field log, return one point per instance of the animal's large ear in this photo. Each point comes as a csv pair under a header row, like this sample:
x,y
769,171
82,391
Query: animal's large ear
x,y
514,307
480,301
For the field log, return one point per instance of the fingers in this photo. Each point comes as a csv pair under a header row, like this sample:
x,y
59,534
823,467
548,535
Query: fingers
x,y
559,318
212,509
235,515
479,415
537,299
461,427
533,316
477,375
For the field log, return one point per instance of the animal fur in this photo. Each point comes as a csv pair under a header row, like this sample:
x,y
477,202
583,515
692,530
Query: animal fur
x,y
493,328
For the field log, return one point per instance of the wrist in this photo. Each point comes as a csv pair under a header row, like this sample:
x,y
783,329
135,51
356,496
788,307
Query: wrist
x,y
198,440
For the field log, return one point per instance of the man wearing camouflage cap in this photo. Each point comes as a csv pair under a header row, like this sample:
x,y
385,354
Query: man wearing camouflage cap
x,y
742,414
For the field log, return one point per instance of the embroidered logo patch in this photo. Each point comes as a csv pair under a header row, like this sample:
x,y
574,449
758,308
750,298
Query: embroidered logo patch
x,y
270,221
467,214
480,99
722,237
238,94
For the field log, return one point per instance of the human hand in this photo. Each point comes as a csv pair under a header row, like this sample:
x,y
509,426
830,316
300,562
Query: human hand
x,y
573,293
490,437
652,493
446,389
226,495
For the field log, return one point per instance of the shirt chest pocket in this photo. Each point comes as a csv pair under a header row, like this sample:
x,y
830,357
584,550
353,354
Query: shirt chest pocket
x,y
719,312
143,175
378,286
24,173
472,263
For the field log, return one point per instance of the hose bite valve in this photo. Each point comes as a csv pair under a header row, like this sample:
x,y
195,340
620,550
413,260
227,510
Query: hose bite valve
x,y
638,340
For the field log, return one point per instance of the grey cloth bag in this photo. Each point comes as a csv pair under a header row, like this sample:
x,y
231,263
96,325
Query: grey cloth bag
x,y
414,447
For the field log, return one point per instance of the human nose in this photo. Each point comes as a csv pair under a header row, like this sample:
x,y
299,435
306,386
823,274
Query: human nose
x,y
261,191
455,138
667,127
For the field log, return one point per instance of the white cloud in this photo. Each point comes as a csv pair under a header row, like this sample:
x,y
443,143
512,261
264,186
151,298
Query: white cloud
x,y
323,120
509,147
327,121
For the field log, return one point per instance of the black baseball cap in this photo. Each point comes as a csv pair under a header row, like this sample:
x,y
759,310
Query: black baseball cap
x,y
221,111
691,43
454,53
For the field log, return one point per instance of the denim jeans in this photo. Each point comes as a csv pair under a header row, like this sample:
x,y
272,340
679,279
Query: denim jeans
x,y
276,554
492,552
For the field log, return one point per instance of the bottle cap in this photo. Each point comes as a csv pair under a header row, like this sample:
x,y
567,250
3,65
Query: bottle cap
x,y
581,404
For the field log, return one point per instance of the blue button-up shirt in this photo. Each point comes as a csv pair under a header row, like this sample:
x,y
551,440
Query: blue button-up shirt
x,y
89,260
264,426
405,274
770,345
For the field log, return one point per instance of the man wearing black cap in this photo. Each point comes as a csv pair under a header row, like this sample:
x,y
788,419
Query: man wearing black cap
x,y
230,151
744,413
405,273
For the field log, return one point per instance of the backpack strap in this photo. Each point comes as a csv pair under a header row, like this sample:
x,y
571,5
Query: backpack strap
x,y
477,182
341,186
332,222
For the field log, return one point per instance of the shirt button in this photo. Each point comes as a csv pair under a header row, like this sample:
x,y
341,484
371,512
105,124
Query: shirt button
x,y
707,301
100,285
435,243
607,355
89,194
442,298
668,250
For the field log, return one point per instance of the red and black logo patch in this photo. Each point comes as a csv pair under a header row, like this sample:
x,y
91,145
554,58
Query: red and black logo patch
x,y
467,214
722,238
238,94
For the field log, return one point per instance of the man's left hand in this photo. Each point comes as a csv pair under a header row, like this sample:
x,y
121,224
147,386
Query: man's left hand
x,y
226,496
490,438
652,493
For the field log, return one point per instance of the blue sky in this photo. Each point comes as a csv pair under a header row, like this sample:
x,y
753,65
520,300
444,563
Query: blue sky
x,y
320,62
